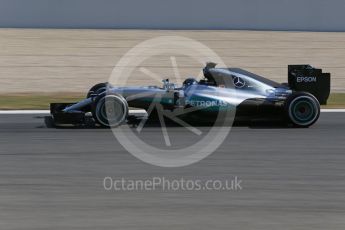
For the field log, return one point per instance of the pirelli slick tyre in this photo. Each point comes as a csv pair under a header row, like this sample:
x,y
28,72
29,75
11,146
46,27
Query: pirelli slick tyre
x,y
97,89
110,110
302,109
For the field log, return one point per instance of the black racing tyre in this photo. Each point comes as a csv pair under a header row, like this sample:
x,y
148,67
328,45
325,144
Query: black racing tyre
x,y
97,89
302,109
110,110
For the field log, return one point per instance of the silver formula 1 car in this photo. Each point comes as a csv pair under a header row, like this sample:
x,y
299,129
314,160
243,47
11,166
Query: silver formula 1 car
x,y
230,91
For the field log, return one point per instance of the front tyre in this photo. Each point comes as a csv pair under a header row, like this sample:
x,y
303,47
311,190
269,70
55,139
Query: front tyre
x,y
97,89
110,110
302,109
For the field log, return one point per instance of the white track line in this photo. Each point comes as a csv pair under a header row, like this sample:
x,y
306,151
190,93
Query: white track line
x,y
13,112
333,110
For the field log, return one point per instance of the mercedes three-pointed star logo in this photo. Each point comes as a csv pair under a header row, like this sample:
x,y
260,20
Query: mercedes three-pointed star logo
x,y
239,82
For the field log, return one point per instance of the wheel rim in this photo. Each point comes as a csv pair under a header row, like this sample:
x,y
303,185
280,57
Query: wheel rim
x,y
303,111
111,110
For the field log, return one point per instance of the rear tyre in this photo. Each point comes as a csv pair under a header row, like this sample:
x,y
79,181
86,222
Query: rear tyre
x,y
110,110
302,109
97,89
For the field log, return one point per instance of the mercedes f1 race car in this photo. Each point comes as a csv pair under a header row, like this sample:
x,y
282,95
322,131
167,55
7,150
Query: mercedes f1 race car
x,y
247,96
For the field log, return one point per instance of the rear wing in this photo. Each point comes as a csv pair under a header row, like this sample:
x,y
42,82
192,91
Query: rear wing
x,y
309,79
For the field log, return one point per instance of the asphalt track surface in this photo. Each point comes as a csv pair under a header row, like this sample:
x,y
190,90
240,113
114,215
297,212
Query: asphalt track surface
x,y
53,179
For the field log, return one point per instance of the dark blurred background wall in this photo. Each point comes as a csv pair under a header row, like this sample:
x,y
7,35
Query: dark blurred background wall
x,y
308,15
